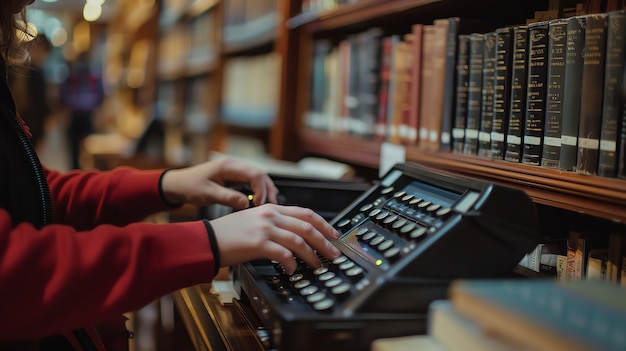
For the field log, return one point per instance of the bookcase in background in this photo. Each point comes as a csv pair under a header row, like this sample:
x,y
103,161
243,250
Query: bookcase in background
x,y
218,77
188,77
127,53
251,77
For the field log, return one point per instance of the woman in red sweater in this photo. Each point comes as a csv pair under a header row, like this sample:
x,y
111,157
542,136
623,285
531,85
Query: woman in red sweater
x,y
73,249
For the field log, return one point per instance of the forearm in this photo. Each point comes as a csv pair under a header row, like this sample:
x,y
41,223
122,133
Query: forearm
x,y
69,279
120,196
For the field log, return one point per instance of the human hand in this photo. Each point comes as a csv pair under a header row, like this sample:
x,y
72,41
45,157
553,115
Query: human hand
x,y
204,184
274,232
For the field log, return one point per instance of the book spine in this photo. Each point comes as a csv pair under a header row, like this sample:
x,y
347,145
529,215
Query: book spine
x,y
591,94
404,82
369,55
554,103
462,78
572,243
612,100
333,106
534,257
502,91
449,88
342,120
513,151
597,264
438,84
319,86
383,94
535,92
621,153
426,78
572,92
392,122
474,93
351,100
488,95
416,71
561,267
612,5
400,101
617,250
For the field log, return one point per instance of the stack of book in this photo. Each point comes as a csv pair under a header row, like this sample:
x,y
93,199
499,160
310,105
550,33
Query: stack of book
x,y
522,315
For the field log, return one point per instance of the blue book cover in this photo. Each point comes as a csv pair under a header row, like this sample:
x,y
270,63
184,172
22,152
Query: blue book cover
x,y
547,314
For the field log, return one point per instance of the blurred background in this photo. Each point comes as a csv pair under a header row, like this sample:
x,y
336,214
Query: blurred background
x,y
154,83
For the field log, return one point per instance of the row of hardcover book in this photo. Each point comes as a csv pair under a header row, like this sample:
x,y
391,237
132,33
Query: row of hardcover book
x,y
584,255
548,93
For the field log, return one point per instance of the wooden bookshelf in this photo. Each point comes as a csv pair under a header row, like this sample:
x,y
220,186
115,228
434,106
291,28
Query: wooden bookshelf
x,y
189,77
599,197
251,71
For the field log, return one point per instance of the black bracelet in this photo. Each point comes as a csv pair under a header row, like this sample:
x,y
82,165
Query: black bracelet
x,y
213,242
162,195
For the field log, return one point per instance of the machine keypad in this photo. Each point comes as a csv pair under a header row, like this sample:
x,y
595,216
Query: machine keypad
x,y
321,287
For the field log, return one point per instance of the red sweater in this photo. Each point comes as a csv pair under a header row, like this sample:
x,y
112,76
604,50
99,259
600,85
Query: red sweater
x,y
92,265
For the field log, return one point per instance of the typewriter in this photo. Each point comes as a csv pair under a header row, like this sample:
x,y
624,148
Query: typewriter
x,y
402,241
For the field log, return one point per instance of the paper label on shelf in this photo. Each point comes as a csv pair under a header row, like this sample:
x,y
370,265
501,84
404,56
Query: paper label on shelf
x,y
390,154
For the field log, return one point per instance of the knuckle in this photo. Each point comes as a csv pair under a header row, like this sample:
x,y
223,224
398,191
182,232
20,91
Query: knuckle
x,y
267,212
308,213
265,228
298,241
255,173
307,228
285,255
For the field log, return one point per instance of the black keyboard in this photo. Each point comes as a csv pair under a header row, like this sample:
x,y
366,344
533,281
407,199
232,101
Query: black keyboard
x,y
403,241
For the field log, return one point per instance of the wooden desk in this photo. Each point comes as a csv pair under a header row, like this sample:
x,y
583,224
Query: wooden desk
x,y
213,326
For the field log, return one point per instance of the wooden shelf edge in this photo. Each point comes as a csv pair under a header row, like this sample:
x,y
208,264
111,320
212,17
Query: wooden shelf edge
x,y
263,36
340,147
198,7
600,197
189,69
353,13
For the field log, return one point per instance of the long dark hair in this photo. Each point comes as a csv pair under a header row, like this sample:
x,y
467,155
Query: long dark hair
x,y
11,48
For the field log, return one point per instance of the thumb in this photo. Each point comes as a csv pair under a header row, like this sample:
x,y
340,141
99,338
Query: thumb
x,y
230,197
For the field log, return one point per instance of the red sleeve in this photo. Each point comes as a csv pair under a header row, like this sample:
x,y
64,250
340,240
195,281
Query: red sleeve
x,y
124,195
57,279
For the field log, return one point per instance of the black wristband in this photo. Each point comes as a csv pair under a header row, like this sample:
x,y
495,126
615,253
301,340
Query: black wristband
x,y
162,195
213,242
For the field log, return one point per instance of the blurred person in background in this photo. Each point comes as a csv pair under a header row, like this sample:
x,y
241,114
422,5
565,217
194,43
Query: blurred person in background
x,y
82,94
30,90
75,253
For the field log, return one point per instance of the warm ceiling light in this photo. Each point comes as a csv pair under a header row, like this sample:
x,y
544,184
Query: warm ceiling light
x,y
92,11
